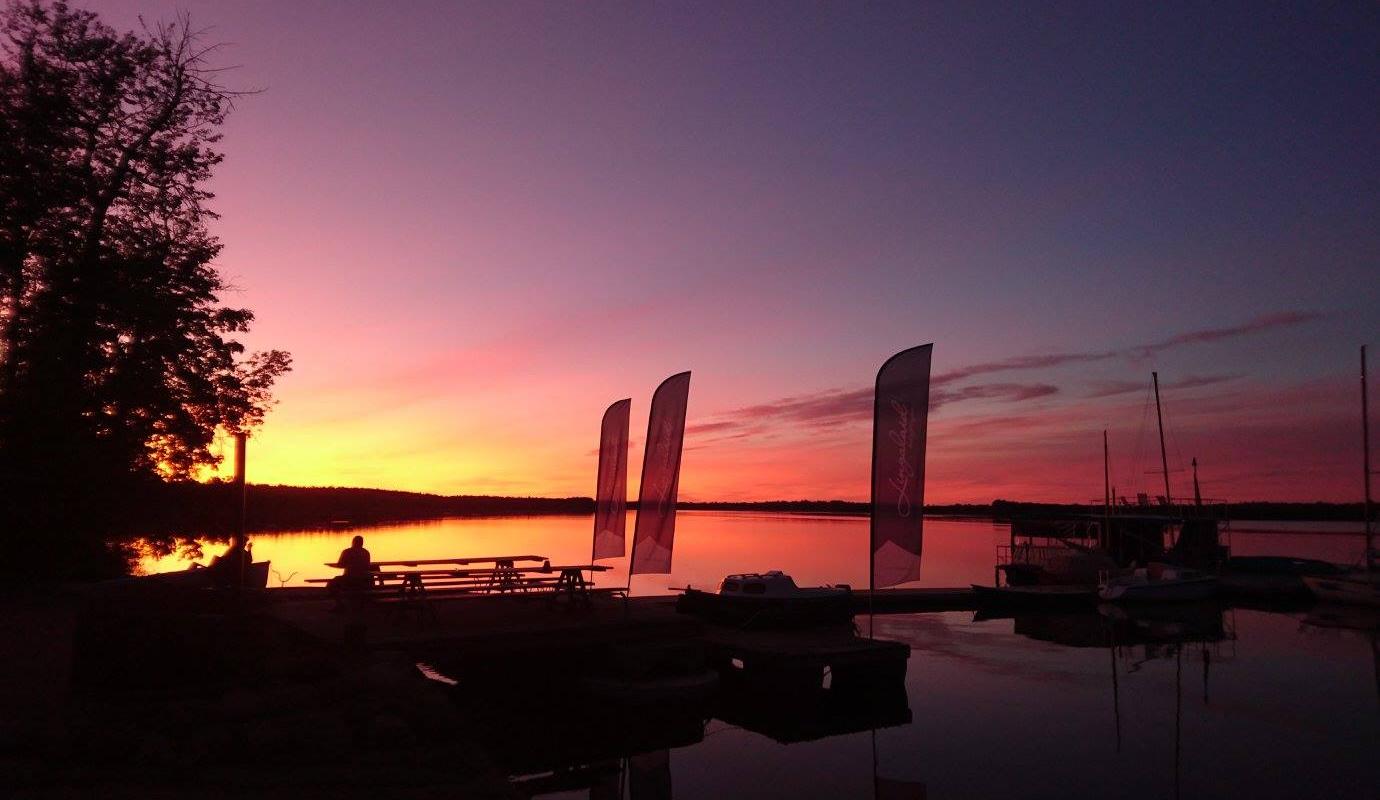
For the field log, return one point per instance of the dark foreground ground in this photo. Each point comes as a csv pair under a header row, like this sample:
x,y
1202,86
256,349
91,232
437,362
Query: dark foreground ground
x,y
153,697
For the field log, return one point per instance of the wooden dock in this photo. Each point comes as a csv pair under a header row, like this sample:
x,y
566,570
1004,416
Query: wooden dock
x,y
902,601
510,639
795,661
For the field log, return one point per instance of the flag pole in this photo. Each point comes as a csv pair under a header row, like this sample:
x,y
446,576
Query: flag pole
x,y
872,506
598,473
238,550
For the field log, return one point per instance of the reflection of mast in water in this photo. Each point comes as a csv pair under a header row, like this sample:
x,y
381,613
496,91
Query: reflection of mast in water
x,y
1207,661
891,788
1116,690
1178,711
641,777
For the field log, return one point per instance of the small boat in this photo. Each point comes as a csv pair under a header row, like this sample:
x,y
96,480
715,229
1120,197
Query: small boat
x,y
1062,563
1032,596
198,576
771,600
1353,588
1273,576
1158,583
1360,586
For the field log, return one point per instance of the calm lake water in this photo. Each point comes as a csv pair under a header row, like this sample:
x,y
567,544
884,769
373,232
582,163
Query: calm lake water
x,y
1199,702
1009,708
814,549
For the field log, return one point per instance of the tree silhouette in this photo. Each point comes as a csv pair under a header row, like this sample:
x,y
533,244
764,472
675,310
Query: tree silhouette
x,y
117,365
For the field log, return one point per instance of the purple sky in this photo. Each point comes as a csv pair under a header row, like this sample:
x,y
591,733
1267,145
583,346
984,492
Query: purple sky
x,y
475,225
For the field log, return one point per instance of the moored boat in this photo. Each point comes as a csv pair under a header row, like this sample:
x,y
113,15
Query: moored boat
x,y
198,576
1356,588
769,599
1159,583
1360,586
1273,576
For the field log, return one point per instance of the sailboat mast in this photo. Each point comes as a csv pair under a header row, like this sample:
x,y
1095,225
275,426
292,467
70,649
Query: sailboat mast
x,y
1106,492
1106,473
1365,456
1164,457
1197,493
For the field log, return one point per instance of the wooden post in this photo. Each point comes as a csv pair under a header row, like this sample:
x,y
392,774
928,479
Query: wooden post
x,y
237,547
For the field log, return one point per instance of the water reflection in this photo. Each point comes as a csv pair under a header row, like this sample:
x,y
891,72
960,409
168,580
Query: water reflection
x,y
1360,621
815,549
1199,701
1202,701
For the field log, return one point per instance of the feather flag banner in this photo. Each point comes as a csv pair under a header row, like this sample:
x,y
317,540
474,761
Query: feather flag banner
x,y
655,530
900,415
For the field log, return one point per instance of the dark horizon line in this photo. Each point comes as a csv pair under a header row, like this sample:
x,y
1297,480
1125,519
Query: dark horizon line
x,y
208,509
548,504
632,504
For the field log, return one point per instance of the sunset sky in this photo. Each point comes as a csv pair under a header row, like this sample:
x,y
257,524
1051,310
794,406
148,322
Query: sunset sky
x,y
476,225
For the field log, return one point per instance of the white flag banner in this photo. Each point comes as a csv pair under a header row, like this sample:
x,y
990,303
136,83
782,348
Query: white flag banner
x,y
900,414
611,486
655,531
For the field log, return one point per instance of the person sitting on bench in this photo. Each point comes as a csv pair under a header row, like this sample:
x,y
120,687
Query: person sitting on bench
x,y
358,570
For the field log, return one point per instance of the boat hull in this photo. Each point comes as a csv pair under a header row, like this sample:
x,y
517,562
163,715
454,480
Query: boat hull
x,y
1166,591
255,577
1350,590
1272,576
769,612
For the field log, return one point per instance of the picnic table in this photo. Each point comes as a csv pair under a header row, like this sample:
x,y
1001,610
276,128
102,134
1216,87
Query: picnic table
x,y
412,587
425,562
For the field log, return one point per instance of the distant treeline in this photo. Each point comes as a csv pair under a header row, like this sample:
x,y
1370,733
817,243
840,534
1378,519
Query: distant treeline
x,y
209,509
830,507
1254,510
201,509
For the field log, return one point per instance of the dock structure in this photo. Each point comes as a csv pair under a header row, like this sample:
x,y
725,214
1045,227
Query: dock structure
x,y
902,601
794,662
498,639
508,640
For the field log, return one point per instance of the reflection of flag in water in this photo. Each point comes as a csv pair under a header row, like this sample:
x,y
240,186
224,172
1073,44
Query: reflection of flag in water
x,y
889,789
900,413
655,531
611,486
649,776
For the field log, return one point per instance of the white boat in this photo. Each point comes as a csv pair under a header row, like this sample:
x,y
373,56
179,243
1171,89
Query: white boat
x,y
774,584
1353,588
1158,583
770,599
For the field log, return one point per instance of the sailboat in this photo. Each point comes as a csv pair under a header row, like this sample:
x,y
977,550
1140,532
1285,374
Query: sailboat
x,y
1197,543
1361,586
1090,549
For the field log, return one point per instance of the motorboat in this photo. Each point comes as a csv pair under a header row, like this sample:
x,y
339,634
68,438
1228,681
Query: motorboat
x,y
769,599
1273,576
1157,583
1361,587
